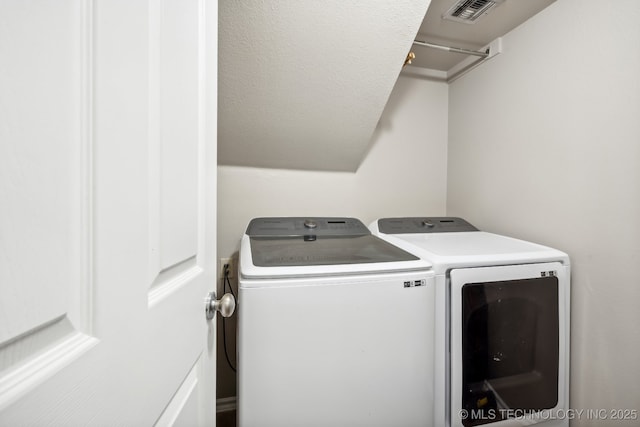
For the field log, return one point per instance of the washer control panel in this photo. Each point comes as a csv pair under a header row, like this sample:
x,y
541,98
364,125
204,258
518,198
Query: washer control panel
x,y
304,226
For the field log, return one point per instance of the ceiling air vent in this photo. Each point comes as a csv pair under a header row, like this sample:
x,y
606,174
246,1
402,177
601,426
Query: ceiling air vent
x,y
468,11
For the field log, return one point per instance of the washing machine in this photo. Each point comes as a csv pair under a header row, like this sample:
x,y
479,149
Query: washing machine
x,y
502,323
335,327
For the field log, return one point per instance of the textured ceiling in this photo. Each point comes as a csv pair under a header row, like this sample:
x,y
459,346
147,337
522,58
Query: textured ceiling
x,y
303,84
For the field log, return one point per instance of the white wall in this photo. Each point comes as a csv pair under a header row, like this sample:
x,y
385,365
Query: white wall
x,y
404,173
544,144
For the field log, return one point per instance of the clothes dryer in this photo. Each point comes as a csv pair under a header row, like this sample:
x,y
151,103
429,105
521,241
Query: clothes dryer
x,y
502,319
336,327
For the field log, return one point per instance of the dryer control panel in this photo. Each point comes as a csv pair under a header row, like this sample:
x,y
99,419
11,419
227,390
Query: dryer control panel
x,y
439,224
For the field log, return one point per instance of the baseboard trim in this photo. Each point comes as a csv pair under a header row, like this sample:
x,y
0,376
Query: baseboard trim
x,y
226,404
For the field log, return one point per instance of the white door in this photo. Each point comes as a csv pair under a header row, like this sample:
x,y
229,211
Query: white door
x,y
107,211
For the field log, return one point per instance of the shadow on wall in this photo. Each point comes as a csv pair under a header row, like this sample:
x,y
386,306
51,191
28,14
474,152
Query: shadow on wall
x,y
386,122
226,330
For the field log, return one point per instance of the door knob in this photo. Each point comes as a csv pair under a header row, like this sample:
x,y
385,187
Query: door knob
x,y
225,305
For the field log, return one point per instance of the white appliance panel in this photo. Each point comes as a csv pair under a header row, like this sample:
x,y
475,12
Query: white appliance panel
x,y
308,349
450,250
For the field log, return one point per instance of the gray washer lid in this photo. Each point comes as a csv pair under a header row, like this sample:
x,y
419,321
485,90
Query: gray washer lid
x,y
298,241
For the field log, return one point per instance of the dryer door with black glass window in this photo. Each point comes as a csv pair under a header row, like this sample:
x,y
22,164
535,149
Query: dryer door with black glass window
x,y
507,343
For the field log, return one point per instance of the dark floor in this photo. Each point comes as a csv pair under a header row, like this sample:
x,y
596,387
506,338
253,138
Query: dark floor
x,y
226,419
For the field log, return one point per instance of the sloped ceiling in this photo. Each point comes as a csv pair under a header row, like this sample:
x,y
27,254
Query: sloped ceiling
x,y
302,84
